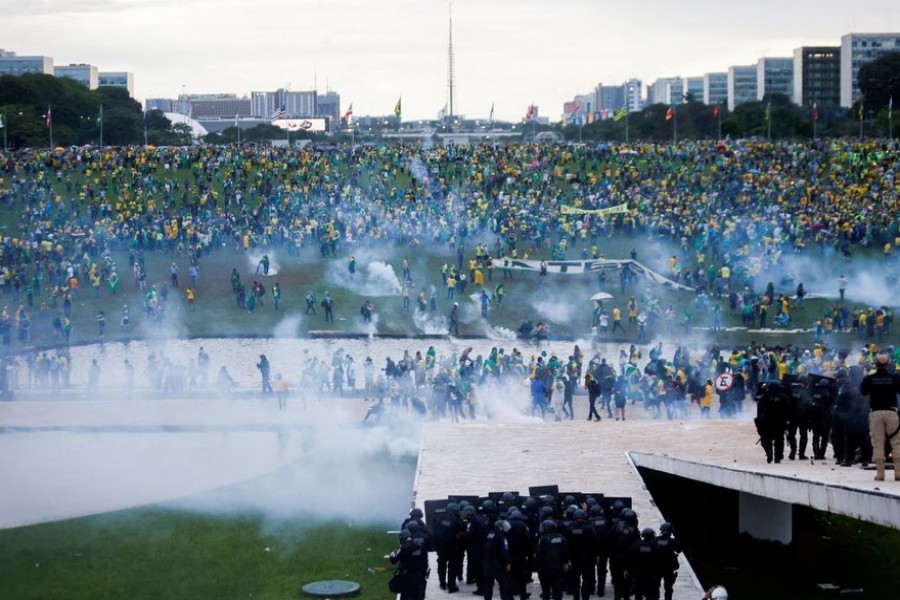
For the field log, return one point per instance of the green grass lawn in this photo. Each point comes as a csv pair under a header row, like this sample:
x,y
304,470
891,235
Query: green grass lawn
x,y
213,545
562,300
168,554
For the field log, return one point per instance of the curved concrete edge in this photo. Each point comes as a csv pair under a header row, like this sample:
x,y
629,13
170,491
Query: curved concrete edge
x,y
415,485
684,564
874,506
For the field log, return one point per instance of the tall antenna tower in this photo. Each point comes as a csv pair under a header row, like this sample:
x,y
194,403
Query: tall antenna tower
x,y
451,71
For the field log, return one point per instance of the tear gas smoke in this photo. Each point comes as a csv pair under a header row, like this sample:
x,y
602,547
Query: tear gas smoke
x,y
254,264
373,279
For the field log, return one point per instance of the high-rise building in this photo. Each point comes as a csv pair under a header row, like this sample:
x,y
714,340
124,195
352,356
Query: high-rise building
x,y
666,90
817,75
122,79
329,106
86,75
741,85
212,106
694,87
612,98
715,88
774,76
296,104
858,49
11,64
633,89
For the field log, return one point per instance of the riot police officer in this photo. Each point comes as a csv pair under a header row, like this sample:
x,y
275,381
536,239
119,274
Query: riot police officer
x,y
412,566
474,536
822,393
772,410
496,565
602,526
644,566
583,555
623,536
551,561
669,549
447,541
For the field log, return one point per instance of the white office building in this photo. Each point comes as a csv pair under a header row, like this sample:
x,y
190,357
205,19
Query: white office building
x,y
666,90
122,79
694,87
858,49
775,76
741,85
87,75
633,94
12,64
715,88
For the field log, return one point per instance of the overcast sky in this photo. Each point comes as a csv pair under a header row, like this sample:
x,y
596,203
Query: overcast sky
x,y
509,52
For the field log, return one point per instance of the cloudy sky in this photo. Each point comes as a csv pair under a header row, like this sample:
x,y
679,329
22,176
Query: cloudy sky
x,y
508,52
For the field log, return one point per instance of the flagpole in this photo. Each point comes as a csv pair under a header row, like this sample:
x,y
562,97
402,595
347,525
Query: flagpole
x,y
5,127
50,123
719,122
769,121
101,127
145,128
890,120
675,126
860,120
626,123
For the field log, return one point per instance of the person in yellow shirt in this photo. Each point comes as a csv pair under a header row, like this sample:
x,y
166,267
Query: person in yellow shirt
x,y
189,294
617,319
706,400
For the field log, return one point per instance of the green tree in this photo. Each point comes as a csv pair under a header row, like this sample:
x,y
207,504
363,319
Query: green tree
x,y
879,81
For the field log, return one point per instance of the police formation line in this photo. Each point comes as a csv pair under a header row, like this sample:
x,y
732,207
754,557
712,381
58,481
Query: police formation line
x,y
571,546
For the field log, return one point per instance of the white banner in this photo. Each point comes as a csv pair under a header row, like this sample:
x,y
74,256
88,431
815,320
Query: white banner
x,y
300,124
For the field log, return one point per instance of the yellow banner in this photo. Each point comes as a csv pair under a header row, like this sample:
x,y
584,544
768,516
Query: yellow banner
x,y
612,210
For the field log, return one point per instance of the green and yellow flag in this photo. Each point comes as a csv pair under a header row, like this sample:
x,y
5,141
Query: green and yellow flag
x,y
620,114
397,110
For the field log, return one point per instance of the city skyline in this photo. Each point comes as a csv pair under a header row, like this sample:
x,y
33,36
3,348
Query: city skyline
x,y
507,54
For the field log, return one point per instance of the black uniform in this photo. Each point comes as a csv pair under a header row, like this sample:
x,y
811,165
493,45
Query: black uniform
x,y
644,569
521,554
496,564
799,421
623,536
552,562
822,393
602,526
772,411
474,536
447,541
412,561
669,549
583,551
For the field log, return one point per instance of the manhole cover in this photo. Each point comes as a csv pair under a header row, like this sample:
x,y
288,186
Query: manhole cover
x,y
332,588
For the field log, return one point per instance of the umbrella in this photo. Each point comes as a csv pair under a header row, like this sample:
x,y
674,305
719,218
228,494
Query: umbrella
x,y
601,296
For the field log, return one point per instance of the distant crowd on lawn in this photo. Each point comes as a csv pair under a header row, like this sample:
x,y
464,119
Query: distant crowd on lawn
x,y
732,208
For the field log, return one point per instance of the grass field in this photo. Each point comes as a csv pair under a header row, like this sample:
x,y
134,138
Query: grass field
x,y
210,546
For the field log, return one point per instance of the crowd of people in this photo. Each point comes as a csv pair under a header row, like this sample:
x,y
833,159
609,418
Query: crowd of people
x,y
733,210
570,544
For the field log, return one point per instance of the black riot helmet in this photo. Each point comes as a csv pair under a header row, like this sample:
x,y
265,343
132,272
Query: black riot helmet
x,y
416,513
596,510
580,515
665,527
548,526
630,517
648,534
